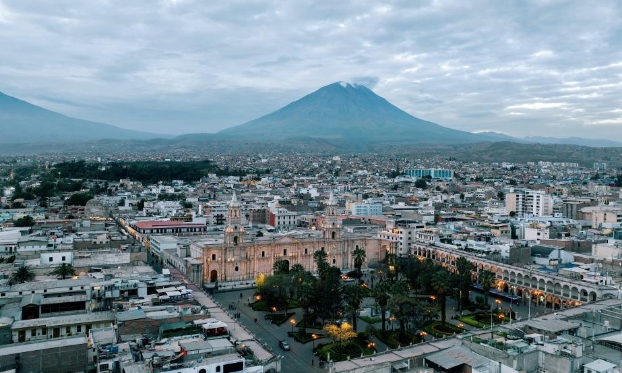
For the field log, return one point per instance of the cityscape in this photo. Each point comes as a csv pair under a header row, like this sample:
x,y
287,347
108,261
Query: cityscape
x,y
356,187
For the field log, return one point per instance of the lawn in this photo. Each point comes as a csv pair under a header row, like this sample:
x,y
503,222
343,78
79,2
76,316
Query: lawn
x,y
340,352
481,319
279,318
436,329
371,320
260,305
395,339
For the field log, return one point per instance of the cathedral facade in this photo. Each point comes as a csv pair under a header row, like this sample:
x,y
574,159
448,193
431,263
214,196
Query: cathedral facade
x,y
242,257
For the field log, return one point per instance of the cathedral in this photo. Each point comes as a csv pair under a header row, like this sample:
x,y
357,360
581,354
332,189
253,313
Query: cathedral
x,y
240,256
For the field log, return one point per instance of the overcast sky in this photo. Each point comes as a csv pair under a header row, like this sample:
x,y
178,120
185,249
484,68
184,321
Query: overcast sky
x,y
551,68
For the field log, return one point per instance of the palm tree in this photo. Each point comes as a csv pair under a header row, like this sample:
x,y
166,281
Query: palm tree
x,y
23,274
305,296
353,296
321,262
382,294
486,278
440,283
464,267
359,256
280,267
63,271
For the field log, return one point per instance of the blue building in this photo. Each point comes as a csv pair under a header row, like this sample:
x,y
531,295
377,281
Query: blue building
x,y
434,173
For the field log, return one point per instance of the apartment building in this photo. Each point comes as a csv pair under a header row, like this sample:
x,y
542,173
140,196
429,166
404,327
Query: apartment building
x,y
528,202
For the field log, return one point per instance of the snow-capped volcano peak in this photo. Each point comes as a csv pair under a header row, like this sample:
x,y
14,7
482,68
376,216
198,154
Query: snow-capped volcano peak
x,y
345,84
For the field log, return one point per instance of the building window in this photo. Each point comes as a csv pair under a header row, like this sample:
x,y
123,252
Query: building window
x,y
263,254
44,331
213,256
79,329
284,252
50,259
306,251
63,259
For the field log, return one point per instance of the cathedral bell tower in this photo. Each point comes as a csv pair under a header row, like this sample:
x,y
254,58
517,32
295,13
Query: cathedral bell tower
x,y
331,225
234,232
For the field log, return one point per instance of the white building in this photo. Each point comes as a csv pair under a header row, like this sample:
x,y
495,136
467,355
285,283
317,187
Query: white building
x,y
366,209
527,202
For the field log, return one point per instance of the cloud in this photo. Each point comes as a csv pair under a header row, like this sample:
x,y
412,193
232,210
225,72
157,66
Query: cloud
x,y
537,106
199,66
368,81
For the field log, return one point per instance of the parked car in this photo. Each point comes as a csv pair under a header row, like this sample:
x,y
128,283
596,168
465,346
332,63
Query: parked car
x,y
284,345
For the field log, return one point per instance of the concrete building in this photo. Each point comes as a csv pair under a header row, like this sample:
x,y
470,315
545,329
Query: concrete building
x,y
527,202
434,173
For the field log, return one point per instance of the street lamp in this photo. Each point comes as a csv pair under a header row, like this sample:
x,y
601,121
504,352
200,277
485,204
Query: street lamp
x,y
498,303
313,337
371,345
423,334
292,321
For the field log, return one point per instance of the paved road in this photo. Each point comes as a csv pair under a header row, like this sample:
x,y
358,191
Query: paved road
x,y
298,359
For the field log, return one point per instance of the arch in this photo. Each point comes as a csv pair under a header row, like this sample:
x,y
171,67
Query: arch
x,y
558,288
541,284
549,286
519,291
235,240
519,278
574,293
512,276
548,301
333,234
566,291
592,296
505,274
213,275
557,303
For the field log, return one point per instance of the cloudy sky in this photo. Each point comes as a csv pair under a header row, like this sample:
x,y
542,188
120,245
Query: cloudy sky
x,y
547,67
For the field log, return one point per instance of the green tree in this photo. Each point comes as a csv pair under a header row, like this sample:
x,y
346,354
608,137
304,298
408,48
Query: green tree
x,y
78,199
280,267
305,296
464,281
382,294
486,278
359,256
23,274
329,295
512,214
140,205
421,184
63,271
353,296
500,195
25,221
321,262
440,283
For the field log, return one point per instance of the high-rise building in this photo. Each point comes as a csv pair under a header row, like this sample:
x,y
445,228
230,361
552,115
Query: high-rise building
x,y
527,202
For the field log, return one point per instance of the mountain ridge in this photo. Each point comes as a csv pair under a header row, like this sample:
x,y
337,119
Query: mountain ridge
x,y
23,122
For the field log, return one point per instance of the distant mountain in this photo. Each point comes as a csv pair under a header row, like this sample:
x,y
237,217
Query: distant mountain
x,y
499,136
598,143
345,113
21,122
